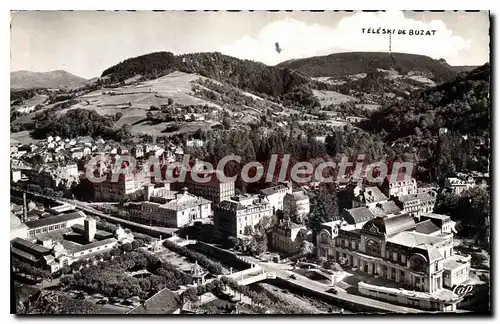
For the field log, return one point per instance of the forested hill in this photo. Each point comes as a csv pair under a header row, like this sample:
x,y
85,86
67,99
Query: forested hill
x,y
244,74
444,129
461,105
343,64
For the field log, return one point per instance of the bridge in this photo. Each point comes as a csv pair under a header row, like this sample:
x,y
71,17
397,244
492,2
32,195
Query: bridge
x,y
250,276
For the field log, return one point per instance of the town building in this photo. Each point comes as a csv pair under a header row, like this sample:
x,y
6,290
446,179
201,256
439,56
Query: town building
x,y
393,249
161,190
231,217
195,143
54,223
276,194
297,203
443,222
459,185
214,190
125,184
417,204
55,249
368,196
137,151
287,237
400,185
180,210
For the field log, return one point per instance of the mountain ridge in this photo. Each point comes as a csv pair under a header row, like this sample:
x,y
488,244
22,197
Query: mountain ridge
x,y
351,63
25,79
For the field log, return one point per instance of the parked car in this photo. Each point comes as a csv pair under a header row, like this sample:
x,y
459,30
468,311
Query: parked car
x,y
332,291
102,302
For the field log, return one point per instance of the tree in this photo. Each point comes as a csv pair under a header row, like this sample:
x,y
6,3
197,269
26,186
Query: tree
x,y
137,243
227,123
115,252
306,247
190,294
118,115
127,247
106,255
66,269
170,101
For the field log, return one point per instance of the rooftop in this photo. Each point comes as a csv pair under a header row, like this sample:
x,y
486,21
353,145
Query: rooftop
x,y
436,216
420,196
373,194
401,176
360,214
455,261
92,245
413,239
55,219
427,227
241,203
272,190
23,254
385,208
29,245
163,302
299,195
183,201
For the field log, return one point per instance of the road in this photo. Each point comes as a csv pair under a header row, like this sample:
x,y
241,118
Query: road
x,y
86,207
283,271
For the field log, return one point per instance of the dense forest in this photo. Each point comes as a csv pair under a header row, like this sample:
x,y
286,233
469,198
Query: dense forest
x,y
247,75
446,128
342,64
77,122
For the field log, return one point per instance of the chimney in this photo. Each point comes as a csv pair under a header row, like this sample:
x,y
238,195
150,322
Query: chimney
x,y
25,208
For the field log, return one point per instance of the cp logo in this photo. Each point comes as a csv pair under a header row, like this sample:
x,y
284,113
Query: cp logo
x,y
462,290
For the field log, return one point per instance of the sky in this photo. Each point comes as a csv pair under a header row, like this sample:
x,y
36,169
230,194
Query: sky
x,y
85,43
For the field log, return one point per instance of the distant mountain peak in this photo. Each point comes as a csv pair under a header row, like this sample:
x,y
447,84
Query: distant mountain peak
x,y
24,79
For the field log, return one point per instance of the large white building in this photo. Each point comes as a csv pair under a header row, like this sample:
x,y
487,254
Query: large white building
x,y
231,217
417,204
276,194
214,190
297,203
55,249
412,256
125,184
287,237
181,209
399,185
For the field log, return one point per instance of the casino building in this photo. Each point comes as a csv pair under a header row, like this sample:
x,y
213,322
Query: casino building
x,y
408,263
